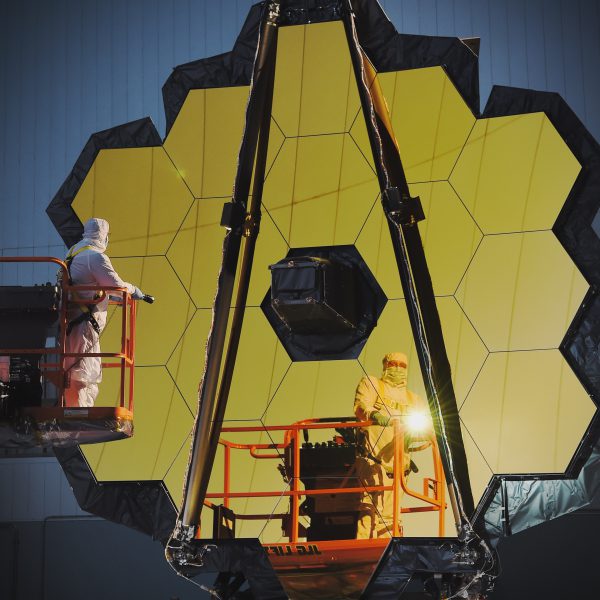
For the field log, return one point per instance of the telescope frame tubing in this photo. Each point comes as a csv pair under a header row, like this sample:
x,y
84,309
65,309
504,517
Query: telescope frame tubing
x,y
252,156
416,283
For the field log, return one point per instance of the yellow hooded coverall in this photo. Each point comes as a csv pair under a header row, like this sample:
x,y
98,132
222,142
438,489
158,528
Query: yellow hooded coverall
x,y
375,398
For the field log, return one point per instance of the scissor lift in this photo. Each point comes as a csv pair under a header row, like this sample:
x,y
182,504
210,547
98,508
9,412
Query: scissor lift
x,y
325,475
50,421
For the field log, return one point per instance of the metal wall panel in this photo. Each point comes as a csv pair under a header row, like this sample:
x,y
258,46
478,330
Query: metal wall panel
x,y
32,489
69,68
70,558
72,67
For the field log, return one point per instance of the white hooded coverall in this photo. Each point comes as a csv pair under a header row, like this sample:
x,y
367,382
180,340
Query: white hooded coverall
x,y
89,267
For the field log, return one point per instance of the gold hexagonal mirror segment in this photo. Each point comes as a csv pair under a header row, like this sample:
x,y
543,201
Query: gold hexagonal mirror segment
x,y
186,363
320,190
204,141
197,251
314,389
261,364
515,173
160,325
162,423
521,291
450,238
527,412
430,120
466,352
315,90
142,196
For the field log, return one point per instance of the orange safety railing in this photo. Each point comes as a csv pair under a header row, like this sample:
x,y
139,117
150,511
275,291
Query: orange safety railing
x,y
55,371
433,495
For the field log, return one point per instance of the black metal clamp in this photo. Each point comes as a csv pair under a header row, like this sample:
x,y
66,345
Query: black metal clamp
x,y
233,216
401,208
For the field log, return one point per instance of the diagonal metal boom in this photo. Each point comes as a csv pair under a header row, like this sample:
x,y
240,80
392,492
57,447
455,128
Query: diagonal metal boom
x,y
239,224
403,213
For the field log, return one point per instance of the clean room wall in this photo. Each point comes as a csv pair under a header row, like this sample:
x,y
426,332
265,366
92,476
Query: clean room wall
x,y
69,68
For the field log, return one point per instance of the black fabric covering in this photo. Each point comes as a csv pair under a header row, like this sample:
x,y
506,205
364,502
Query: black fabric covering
x,y
22,431
71,432
516,503
581,349
17,432
245,556
300,12
574,224
370,299
387,49
405,558
144,506
581,344
136,134
533,499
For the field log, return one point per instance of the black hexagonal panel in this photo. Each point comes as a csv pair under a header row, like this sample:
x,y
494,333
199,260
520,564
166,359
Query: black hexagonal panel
x,y
323,302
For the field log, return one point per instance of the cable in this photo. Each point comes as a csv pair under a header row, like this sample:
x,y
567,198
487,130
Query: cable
x,y
480,574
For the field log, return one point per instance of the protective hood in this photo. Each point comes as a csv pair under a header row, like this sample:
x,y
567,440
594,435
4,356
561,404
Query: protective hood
x,y
95,233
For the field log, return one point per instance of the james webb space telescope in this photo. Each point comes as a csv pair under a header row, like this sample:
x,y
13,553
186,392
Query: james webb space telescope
x,y
319,138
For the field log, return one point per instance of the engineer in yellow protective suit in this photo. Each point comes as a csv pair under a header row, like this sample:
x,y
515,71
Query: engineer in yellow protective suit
x,y
382,400
88,265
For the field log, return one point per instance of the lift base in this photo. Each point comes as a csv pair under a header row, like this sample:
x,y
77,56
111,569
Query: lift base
x,y
60,426
377,569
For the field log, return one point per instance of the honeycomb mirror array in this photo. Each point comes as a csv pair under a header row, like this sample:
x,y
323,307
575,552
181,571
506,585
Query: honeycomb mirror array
x,y
506,290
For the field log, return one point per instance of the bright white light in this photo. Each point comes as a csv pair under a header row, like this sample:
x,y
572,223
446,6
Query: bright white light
x,y
417,421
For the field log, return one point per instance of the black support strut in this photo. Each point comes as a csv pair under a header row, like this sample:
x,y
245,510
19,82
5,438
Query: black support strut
x,y
240,223
403,213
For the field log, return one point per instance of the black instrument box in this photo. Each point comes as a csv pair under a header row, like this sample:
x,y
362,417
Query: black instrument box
x,y
26,314
328,465
314,295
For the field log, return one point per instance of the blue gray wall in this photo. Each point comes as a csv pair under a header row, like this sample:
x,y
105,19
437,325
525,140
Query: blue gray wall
x,y
33,488
70,558
69,68
72,67
51,550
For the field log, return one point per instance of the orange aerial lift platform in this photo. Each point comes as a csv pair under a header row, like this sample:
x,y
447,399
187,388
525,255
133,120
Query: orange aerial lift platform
x,y
324,489
34,374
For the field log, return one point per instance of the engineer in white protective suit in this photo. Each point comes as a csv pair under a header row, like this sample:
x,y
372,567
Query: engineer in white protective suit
x,y
88,265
